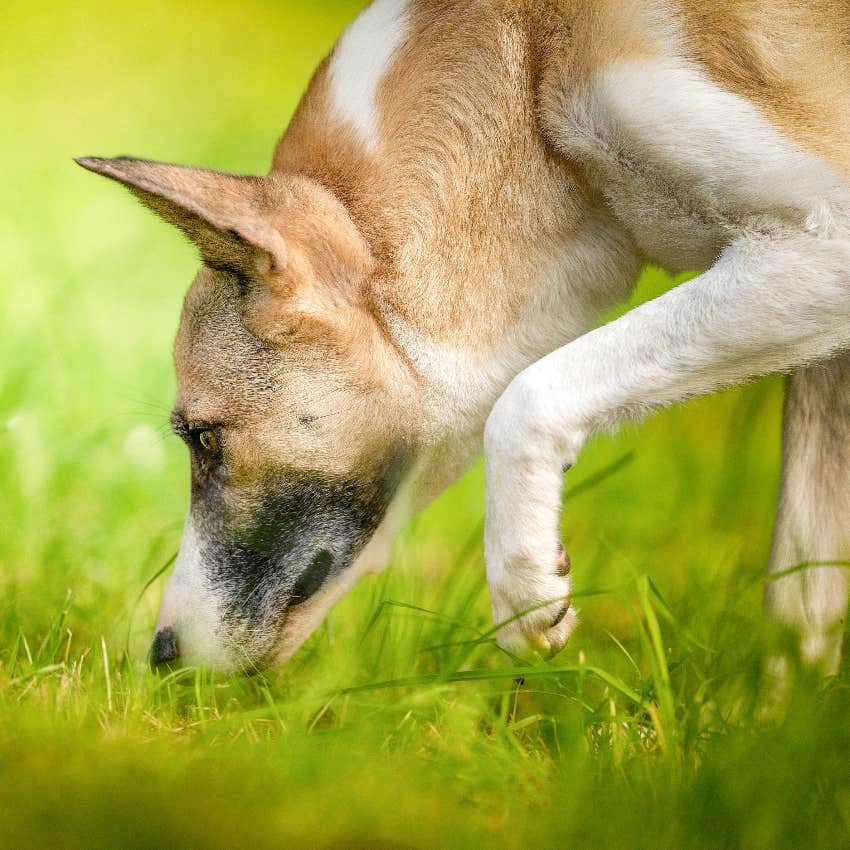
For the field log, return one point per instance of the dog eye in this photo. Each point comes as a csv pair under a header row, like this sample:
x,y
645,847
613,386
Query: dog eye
x,y
209,442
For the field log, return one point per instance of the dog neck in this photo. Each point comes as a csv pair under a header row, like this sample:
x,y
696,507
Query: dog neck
x,y
490,250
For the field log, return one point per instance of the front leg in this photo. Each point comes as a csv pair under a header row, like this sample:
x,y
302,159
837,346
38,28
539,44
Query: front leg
x,y
770,304
528,569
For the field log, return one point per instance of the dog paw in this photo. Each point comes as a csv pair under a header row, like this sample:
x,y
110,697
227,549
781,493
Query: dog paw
x,y
532,606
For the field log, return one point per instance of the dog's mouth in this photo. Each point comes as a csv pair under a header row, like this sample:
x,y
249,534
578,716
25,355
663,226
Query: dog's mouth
x,y
311,581
261,632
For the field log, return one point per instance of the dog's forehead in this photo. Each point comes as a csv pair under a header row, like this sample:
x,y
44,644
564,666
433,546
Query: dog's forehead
x,y
294,402
222,369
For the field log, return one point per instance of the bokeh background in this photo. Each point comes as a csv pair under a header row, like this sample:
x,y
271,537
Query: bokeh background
x,y
668,524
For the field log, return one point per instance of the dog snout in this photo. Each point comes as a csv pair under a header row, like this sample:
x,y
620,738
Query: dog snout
x,y
165,648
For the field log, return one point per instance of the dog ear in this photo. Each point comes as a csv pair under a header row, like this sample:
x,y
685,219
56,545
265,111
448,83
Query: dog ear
x,y
323,291
221,213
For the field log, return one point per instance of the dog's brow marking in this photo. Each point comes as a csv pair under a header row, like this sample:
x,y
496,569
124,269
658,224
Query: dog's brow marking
x,y
360,61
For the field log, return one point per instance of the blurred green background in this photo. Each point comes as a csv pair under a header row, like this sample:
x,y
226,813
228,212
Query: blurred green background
x,y
648,731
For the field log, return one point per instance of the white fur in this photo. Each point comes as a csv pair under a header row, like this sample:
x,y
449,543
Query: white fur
x,y
361,59
777,298
192,608
575,285
686,164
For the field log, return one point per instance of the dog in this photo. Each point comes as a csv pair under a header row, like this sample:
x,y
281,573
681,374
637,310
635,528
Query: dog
x,y
464,190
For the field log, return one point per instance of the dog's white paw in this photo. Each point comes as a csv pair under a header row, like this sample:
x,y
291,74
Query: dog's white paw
x,y
532,605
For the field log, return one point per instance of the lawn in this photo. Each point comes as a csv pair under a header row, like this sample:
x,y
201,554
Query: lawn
x,y
399,724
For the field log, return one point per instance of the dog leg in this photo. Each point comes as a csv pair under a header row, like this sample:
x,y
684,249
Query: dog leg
x,y
813,523
771,303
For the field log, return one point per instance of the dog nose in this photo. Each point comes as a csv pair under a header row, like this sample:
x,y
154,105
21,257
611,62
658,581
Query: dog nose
x,y
164,649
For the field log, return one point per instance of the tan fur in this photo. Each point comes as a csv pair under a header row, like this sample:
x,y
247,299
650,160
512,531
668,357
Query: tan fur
x,y
448,199
458,223
791,59
813,510
270,359
465,180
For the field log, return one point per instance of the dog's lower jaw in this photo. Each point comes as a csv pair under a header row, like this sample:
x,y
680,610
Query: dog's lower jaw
x,y
303,620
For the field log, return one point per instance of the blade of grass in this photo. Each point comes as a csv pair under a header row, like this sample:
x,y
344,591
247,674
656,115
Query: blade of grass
x,y
494,675
666,717
806,565
598,477
106,674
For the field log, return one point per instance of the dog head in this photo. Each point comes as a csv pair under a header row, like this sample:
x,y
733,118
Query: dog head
x,y
291,401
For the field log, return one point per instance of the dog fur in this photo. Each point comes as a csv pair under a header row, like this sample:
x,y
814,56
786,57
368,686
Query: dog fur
x,y
464,190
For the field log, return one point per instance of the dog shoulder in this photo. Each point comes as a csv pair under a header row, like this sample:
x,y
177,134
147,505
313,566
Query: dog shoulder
x,y
790,61
693,127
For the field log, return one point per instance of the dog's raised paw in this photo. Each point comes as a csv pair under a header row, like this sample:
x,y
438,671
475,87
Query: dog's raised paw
x,y
533,608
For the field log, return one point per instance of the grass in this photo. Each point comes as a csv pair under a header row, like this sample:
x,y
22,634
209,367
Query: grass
x,y
400,724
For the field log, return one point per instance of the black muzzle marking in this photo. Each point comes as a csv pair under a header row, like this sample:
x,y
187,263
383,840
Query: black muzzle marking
x,y
266,555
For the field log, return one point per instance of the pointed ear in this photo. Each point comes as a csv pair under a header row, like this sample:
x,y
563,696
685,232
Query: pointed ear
x,y
221,213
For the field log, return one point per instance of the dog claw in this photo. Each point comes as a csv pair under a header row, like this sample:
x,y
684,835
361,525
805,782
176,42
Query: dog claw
x,y
565,609
564,564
